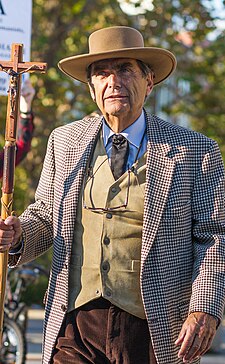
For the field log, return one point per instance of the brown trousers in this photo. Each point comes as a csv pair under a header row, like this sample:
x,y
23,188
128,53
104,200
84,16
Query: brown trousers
x,y
101,333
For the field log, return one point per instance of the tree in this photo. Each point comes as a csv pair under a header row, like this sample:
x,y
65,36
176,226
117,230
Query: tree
x,y
187,28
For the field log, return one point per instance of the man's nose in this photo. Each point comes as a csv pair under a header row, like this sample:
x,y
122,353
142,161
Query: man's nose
x,y
114,80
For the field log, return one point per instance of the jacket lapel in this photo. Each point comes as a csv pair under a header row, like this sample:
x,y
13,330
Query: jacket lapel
x,y
77,157
159,173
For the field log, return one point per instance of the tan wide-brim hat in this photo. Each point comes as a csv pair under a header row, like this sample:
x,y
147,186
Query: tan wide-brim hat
x,y
119,42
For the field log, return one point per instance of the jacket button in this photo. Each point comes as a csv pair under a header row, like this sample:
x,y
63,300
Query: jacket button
x,y
63,308
108,215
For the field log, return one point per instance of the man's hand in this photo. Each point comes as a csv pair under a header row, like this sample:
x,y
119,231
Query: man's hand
x,y
10,232
196,336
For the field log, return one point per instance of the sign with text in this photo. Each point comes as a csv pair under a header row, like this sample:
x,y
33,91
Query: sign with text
x,y
15,27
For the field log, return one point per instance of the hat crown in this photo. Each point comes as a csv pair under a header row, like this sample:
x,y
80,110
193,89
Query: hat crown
x,y
114,38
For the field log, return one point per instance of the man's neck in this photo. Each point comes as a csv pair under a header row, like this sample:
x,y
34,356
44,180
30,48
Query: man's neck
x,y
121,122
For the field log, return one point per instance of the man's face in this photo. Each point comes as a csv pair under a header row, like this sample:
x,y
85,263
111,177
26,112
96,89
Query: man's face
x,y
118,87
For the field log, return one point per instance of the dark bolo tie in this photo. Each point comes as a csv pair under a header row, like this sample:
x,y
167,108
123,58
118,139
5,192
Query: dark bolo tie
x,y
119,155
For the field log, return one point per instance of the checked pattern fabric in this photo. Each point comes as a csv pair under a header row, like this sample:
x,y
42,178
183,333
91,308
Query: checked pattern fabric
x,y
183,244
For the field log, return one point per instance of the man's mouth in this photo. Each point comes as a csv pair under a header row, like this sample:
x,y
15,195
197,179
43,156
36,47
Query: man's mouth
x,y
115,97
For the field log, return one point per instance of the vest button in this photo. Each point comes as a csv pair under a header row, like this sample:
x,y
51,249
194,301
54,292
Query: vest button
x,y
108,293
105,266
106,240
114,189
63,308
108,215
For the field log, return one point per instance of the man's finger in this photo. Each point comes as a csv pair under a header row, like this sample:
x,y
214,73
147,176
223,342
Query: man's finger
x,y
209,343
11,220
180,337
5,227
5,247
194,349
186,344
204,346
6,234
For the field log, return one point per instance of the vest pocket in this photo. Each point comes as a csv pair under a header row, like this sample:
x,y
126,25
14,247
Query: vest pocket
x,y
135,265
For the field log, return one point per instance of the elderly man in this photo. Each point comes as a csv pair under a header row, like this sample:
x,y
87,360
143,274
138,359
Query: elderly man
x,y
134,208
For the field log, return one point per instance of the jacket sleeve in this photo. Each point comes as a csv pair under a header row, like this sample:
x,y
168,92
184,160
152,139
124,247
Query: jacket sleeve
x,y
36,220
208,211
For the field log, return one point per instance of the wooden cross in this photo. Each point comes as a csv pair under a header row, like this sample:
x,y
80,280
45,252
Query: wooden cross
x,y
14,68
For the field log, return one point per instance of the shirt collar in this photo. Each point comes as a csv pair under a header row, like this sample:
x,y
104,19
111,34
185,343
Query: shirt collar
x,y
133,133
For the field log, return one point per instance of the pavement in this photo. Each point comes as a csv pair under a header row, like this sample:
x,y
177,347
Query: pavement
x,y
34,337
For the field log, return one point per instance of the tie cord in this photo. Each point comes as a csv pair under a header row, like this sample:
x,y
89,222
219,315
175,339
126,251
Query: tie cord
x,y
119,155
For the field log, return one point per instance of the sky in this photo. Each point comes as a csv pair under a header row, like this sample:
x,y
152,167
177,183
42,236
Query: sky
x,y
219,11
129,7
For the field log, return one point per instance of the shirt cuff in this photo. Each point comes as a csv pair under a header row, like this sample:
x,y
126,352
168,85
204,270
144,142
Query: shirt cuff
x,y
18,249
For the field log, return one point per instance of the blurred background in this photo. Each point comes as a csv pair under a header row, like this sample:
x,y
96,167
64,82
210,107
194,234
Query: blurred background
x,y
193,97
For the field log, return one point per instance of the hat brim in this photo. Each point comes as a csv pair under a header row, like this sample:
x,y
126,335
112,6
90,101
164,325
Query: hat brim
x,y
162,61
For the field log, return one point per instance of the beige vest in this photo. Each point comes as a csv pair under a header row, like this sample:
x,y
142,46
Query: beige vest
x,y
106,251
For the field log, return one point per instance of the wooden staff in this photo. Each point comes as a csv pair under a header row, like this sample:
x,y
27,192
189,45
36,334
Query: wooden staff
x,y
14,68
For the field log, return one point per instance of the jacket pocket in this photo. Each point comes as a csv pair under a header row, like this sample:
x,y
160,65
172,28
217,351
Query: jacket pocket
x,y
177,212
184,310
45,297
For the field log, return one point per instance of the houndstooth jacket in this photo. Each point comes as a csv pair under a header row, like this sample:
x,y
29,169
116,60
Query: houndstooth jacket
x,y
183,247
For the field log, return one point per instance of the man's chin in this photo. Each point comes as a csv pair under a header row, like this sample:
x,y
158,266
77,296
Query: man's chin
x,y
117,110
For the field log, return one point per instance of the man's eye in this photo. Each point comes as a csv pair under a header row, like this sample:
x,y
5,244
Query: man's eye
x,y
125,70
102,73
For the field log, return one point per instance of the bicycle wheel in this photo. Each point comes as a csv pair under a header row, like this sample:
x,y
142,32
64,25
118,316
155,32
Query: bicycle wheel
x,y
13,343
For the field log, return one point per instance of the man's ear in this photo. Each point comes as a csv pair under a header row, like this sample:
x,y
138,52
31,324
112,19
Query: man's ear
x,y
92,91
150,84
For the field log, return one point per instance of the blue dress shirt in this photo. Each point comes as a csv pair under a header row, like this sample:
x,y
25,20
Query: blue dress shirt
x,y
134,134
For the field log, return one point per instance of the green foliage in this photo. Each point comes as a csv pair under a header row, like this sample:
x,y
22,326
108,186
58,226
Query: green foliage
x,y
35,293
61,28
